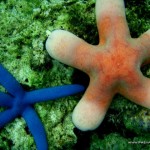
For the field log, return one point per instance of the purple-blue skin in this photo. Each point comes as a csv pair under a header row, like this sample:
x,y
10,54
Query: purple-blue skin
x,y
20,103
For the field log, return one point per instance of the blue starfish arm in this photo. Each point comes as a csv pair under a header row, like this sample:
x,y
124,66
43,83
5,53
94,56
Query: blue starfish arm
x,y
9,82
6,117
36,128
5,100
53,93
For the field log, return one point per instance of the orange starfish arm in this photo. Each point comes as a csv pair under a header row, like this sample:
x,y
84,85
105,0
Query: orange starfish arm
x,y
139,92
91,109
112,22
66,47
144,40
143,43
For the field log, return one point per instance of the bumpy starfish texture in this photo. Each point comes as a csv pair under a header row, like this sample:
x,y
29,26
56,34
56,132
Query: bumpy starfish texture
x,y
113,65
20,103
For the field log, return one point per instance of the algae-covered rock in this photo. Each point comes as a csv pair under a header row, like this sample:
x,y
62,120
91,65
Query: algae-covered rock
x,y
24,27
138,122
115,141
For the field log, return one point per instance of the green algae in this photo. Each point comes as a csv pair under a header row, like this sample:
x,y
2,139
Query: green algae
x,y
24,26
115,141
139,122
23,34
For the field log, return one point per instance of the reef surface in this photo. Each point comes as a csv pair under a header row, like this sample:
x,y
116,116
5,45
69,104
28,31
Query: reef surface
x,y
24,28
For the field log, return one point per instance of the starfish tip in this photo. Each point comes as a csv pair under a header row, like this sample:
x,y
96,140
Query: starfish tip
x,y
53,42
87,116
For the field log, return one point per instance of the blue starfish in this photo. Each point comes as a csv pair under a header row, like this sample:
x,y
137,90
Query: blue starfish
x,y
20,103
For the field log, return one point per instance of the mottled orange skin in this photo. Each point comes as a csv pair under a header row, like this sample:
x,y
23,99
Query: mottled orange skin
x,y
113,65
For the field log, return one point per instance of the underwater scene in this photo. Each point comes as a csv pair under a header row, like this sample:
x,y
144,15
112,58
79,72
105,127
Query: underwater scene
x,y
74,74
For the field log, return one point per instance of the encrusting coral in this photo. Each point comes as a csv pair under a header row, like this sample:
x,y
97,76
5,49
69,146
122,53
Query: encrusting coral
x,y
113,65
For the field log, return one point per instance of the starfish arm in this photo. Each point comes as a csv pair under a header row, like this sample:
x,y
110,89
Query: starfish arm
x,y
69,49
5,100
6,117
53,93
9,82
36,128
90,111
139,93
143,42
111,20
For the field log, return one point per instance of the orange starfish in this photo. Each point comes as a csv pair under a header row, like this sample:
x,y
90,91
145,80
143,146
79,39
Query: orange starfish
x,y
113,65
